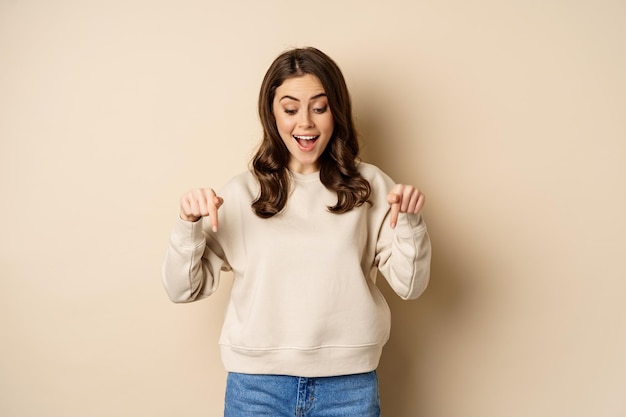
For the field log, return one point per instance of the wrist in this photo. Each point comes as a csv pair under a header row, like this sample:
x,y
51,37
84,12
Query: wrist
x,y
191,219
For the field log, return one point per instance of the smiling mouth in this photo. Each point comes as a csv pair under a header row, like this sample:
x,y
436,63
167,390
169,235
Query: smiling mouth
x,y
306,142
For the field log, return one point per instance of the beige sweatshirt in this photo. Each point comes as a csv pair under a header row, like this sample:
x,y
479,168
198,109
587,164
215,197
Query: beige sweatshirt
x,y
304,300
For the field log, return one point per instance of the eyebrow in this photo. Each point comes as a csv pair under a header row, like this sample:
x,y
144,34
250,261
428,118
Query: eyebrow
x,y
295,99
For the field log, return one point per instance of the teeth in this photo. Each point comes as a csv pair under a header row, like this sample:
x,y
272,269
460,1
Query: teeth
x,y
305,137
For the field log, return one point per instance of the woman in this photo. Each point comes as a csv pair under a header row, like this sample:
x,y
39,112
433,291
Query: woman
x,y
304,233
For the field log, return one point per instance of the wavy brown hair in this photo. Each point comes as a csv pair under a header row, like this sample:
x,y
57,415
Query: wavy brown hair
x,y
338,162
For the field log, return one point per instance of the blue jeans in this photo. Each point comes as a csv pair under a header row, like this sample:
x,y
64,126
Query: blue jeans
x,y
289,396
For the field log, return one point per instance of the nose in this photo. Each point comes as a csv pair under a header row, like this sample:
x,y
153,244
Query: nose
x,y
305,120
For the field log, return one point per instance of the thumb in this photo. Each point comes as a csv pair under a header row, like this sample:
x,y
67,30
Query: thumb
x,y
393,198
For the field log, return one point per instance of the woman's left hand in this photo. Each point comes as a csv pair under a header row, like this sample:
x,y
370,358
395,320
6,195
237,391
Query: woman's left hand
x,y
404,199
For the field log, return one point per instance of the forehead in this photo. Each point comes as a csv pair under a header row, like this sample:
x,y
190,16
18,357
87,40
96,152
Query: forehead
x,y
302,87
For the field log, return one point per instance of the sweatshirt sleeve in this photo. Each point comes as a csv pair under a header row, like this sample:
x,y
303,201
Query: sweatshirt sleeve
x,y
192,263
403,255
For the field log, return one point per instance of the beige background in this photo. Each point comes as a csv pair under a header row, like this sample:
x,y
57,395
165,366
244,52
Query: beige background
x,y
510,115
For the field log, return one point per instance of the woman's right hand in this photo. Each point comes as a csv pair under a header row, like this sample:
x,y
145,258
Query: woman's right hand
x,y
198,203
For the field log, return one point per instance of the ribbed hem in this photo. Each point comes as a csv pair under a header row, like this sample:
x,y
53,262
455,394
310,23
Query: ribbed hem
x,y
311,363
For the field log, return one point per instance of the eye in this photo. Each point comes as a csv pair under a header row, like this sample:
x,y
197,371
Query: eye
x,y
320,110
291,112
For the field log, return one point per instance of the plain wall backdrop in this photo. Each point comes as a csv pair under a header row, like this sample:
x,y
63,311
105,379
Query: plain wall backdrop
x,y
510,115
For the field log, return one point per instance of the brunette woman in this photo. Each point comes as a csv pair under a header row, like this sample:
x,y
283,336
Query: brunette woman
x,y
304,233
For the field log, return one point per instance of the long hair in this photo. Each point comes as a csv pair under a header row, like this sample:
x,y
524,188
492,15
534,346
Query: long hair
x,y
338,162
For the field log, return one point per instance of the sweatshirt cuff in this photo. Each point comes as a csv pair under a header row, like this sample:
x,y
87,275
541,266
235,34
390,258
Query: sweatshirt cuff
x,y
188,233
408,224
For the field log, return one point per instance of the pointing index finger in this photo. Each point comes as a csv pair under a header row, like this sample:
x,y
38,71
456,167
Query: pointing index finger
x,y
214,203
394,201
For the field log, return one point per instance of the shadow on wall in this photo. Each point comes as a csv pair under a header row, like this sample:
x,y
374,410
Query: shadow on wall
x,y
419,330
419,327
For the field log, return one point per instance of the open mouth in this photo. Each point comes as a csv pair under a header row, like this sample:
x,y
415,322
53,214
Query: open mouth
x,y
306,142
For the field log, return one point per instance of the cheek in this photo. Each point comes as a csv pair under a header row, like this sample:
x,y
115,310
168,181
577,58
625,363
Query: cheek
x,y
329,124
283,125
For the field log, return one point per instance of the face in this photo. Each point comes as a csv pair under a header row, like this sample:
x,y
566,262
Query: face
x,y
304,121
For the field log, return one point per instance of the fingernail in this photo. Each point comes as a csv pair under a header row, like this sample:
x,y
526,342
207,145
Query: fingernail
x,y
214,228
